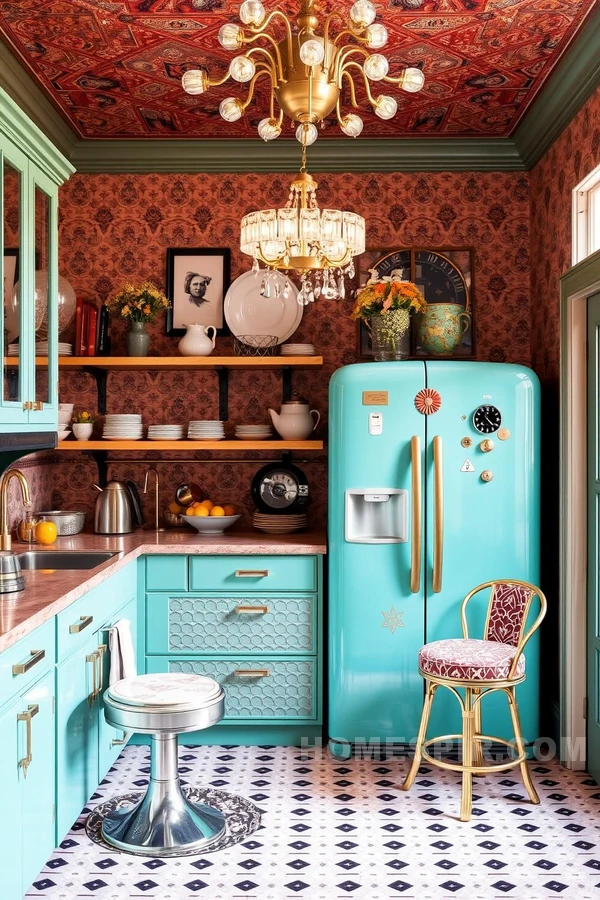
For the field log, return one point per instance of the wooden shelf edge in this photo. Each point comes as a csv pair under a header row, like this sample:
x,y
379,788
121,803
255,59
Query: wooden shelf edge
x,y
185,362
185,445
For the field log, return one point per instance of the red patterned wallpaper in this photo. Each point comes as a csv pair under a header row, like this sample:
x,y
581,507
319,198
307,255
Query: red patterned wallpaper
x,y
114,228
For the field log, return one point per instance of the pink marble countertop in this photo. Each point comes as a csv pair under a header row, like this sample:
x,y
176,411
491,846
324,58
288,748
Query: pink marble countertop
x,y
49,591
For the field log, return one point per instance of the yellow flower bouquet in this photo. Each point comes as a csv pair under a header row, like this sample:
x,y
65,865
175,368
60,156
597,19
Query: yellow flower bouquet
x,y
386,304
137,303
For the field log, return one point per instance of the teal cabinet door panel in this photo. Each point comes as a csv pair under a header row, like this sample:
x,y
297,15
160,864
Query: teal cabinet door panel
x,y
76,733
167,572
27,660
252,573
213,623
37,782
11,820
111,740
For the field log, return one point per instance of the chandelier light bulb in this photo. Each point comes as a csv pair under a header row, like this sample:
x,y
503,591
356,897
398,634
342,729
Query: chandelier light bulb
x,y
242,69
194,81
352,125
312,52
376,36
362,13
376,67
231,109
230,36
412,80
252,12
269,129
307,134
385,107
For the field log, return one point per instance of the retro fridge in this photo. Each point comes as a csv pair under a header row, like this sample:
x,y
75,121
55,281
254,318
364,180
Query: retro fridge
x,y
433,489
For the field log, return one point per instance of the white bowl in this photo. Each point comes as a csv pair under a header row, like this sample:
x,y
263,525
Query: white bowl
x,y
211,524
66,408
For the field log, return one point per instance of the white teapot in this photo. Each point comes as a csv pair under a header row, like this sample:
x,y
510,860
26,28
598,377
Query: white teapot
x,y
196,341
295,421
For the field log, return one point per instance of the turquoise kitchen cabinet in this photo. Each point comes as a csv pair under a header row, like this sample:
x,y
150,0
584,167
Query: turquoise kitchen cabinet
x,y
11,822
111,740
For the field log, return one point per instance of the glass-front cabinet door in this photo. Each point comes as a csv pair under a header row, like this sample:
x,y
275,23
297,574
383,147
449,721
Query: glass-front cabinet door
x,y
45,287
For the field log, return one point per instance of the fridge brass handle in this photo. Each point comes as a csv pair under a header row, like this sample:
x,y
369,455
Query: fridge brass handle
x,y
415,562
252,573
36,657
438,514
84,621
32,710
251,673
249,610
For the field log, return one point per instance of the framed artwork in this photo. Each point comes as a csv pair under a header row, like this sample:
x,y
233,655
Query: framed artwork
x,y
197,281
445,278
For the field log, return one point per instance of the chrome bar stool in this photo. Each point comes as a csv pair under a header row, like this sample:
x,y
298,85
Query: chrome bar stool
x,y
164,822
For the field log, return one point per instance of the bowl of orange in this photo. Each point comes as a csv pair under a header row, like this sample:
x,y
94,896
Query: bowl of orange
x,y
210,518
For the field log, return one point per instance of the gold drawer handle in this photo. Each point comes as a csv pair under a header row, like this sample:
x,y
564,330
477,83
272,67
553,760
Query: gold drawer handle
x,y
32,710
93,658
251,610
36,657
102,648
252,573
251,673
123,740
36,405
84,621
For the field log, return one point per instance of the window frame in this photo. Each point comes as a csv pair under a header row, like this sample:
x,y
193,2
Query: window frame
x,y
586,217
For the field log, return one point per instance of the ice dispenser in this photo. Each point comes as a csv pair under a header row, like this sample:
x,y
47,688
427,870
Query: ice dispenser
x,y
377,516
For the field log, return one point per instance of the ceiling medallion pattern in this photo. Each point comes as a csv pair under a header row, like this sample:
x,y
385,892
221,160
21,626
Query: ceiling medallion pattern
x,y
114,69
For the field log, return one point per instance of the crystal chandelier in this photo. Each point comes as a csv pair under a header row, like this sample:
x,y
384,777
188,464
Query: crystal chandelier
x,y
306,73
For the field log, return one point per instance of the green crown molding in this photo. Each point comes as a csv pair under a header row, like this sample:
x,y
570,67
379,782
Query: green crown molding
x,y
19,127
573,81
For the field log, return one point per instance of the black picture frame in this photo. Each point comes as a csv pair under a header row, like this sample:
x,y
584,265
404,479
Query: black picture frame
x,y
211,271
10,253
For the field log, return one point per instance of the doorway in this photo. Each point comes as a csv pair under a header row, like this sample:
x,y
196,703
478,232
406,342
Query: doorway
x,y
593,536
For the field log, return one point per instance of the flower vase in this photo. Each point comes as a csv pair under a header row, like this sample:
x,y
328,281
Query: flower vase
x,y
137,339
390,334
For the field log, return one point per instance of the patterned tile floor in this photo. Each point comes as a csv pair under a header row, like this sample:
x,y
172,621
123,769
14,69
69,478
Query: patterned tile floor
x,y
335,829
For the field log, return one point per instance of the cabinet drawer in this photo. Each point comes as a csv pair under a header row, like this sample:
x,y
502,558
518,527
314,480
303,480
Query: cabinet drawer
x,y
224,624
167,572
288,691
253,573
22,655
88,614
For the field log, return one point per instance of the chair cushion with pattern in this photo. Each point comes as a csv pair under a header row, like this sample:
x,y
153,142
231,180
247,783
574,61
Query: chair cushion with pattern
x,y
469,660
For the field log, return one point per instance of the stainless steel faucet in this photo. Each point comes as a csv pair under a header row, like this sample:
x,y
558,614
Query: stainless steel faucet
x,y
156,497
5,538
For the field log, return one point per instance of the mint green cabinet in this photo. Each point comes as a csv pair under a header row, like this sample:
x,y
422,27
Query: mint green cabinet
x,y
11,822
111,740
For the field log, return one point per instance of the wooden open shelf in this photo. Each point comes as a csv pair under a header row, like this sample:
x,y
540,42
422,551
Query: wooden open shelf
x,y
185,445
175,362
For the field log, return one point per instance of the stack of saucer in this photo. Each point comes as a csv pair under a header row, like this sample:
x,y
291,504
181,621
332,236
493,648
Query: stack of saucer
x,y
206,430
279,524
253,432
165,432
127,427
41,349
297,349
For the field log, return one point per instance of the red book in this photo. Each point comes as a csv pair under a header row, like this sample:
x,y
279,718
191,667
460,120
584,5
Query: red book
x,y
78,326
85,315
91,329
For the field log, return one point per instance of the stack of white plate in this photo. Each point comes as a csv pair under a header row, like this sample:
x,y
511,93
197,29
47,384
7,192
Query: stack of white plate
x,y
297,349
282,523
165,432
253,432
41,349
126,427
206,430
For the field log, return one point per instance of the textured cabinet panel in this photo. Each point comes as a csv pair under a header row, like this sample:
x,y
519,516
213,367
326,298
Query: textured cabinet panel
x,y
228,624
288,691
252,573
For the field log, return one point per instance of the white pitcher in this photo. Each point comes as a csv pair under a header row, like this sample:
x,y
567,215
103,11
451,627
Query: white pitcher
x,y
295,421
196,341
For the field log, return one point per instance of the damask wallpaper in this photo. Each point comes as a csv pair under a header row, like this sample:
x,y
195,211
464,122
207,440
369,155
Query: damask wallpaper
x,y
114,228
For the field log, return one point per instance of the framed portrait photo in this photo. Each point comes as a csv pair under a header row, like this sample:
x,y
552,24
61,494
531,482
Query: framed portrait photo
x,y
197,281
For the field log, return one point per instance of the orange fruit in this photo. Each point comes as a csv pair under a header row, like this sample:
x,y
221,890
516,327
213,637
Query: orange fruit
x,y
175,508
229,510
190,511
201,511
217,511
208,504
46,532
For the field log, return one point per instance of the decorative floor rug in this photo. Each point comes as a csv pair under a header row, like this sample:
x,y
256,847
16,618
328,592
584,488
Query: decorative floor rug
x,y
332,829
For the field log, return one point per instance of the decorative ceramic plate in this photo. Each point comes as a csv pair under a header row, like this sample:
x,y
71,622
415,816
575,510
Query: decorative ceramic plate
x,y
246,312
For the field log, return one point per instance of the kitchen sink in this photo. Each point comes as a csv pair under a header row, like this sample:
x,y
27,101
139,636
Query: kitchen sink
x,y
64,559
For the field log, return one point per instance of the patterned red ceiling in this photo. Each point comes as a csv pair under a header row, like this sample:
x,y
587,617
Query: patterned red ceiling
x,y
114,68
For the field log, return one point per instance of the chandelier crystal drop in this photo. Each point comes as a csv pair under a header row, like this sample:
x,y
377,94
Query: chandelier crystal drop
x,y
311,68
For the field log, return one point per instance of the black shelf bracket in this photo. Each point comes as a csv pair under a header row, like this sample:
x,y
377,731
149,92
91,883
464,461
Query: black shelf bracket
x,y
100,457
286,383
223,376
101,378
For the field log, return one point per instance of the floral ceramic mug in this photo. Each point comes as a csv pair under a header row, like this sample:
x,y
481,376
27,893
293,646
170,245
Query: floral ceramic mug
x,y
442,327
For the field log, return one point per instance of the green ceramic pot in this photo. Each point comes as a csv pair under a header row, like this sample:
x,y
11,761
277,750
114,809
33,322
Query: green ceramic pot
x,y
137,339
442,327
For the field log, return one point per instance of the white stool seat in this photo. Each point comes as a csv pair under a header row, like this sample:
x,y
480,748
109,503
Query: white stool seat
x,y
173,690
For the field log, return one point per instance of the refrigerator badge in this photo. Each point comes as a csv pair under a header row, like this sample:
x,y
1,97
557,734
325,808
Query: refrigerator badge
x,y
467,466
392,619
428,401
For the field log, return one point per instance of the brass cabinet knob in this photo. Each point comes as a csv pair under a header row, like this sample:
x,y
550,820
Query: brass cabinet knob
x,y
486,445
466,442
486,475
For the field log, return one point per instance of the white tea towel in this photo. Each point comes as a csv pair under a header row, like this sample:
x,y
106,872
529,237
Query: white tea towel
x,y
122,654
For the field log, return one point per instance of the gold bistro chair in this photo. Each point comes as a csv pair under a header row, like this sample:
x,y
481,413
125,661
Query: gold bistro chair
x,y
479,667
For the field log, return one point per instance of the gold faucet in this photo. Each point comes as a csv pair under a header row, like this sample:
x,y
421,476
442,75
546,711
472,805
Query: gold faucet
x,y
156,513
5,538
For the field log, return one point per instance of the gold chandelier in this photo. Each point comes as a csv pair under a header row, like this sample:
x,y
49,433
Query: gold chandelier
x,y
307,72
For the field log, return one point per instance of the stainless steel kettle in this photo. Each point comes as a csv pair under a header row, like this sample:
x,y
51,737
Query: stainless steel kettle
x,y
113,513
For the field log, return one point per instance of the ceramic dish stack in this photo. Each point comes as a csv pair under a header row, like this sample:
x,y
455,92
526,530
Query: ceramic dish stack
x,y
126,427
41,349
206,430
253,432
165,432
297,349
279,524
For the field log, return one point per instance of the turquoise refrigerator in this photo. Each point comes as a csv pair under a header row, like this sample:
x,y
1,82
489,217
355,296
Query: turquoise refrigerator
x,y
433,489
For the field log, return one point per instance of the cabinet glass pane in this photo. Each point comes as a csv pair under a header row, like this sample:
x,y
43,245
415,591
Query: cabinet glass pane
x,y
42,291
11,197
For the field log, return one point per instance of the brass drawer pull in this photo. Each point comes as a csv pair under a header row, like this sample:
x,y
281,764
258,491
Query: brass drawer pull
x,y
250,610
32,710
102,648
251,673
84,621
123,740
93,658
36,657
252,573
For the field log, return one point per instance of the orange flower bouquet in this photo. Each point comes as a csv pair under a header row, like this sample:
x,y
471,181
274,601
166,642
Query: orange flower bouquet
x,y
386,305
